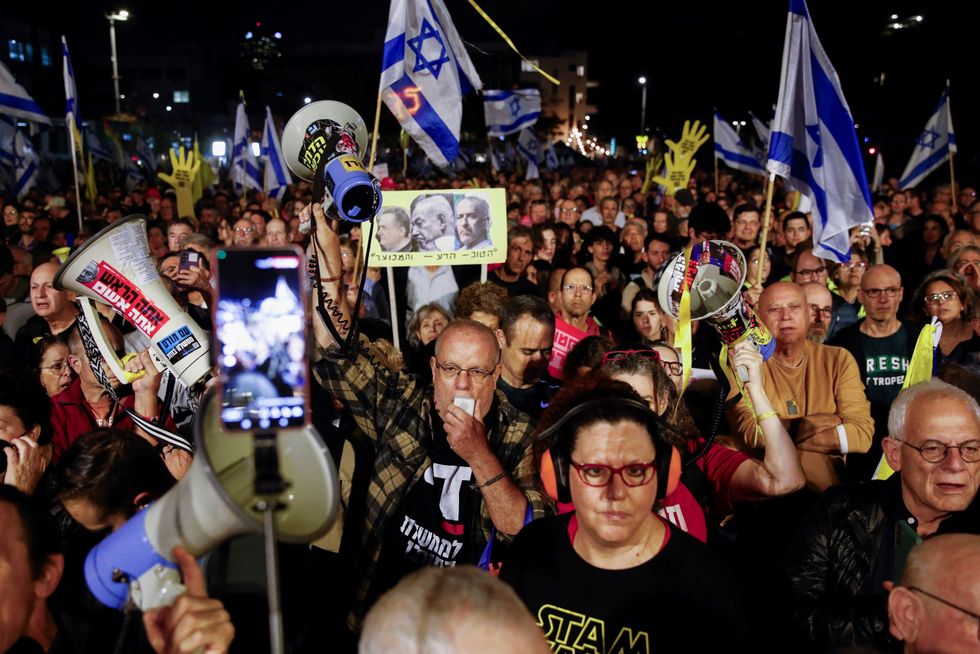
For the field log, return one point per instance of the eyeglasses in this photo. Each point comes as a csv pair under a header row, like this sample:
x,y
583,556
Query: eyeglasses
x,y
824,311
598,475
59,368
811,272
572,210
672,367
949,604
938,298
936,452
577,288
619,355
873,293
855,265
477,375
244,230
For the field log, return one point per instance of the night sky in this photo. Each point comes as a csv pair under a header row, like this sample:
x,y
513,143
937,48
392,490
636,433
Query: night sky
x,y
698,55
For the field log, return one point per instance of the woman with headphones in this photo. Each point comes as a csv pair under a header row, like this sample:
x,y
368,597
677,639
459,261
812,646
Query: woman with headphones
x,y
613,575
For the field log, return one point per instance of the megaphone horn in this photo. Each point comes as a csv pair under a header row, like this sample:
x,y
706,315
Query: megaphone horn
x,y
216,500
115,267
715,274
323,143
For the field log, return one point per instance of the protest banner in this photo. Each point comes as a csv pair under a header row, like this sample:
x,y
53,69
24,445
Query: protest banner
x,y
442,227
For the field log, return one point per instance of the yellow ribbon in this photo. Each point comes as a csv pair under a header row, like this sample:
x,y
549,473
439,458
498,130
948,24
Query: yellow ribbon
x,y
682,339
511,43
919,370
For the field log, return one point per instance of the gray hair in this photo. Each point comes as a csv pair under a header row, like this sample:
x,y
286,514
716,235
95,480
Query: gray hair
x,y
431,609
898,414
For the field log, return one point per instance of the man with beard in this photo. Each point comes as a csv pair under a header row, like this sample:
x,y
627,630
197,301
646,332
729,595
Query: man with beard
x,y
821,309
526,337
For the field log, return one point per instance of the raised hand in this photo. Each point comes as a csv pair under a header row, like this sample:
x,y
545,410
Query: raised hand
x,y
184,168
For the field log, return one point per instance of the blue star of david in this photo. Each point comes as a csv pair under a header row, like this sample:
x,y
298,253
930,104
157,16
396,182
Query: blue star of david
x,y
434,66
927,139
813,131
515,107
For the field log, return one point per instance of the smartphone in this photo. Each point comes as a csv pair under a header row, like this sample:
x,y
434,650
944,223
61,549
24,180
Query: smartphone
x,y
261,337
189,259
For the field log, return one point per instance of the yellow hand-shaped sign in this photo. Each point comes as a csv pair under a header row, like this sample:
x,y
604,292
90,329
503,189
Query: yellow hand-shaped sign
x,y
680,160
185,167
653,165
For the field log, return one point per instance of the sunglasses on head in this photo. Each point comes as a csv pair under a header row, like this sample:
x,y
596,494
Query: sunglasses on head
x,y
619,355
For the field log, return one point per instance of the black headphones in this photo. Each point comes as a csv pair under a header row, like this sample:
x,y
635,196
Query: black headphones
x,y
667,461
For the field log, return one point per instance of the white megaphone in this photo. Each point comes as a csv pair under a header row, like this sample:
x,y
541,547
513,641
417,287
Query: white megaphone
x,y
323,143
215,501
115,267
715,274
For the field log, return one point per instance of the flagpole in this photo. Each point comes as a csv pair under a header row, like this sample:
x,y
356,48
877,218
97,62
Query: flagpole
x,y
716,177
74,166
374,134
766,218
953,201
393,304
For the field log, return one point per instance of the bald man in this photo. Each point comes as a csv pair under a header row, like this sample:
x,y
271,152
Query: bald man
x,y
882,345
54,309
936,606
460,610
815,389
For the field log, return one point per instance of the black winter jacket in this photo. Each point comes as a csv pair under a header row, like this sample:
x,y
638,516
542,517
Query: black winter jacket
x,y
834,569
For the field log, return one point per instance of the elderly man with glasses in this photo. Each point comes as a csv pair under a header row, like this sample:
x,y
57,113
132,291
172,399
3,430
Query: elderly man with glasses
x,y
448,467
882,346
853,540
937,607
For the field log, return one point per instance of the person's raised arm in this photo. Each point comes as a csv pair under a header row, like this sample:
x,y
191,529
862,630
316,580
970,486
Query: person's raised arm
x,y
325,245
779,472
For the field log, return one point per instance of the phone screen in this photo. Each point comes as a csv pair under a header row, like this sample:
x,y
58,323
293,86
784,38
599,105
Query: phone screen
x,y
260,328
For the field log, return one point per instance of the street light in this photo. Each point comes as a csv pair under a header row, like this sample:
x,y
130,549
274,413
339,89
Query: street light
x,y
122,15
643,105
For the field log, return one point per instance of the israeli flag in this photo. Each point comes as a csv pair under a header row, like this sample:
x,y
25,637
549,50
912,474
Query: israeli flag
x,y
933,146
242,157
145,153
813,143
761,130
277,176
730,149
507,112
879,175
71,97
425,73
25,165
94,144
8,130
530,147
14,100
551,157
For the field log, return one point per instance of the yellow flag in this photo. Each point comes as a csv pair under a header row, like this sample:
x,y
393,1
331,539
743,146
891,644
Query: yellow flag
x,y
91,191
919,370
205,174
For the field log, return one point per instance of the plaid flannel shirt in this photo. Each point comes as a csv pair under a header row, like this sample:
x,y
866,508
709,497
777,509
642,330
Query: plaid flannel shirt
x,y
394,412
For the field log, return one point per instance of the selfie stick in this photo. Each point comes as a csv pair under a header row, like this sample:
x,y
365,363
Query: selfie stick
x,y
269,487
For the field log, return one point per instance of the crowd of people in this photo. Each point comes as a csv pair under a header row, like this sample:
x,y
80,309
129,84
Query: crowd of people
x,y
528,471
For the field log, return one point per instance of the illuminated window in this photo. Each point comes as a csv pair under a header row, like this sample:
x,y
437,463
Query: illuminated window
x,y
181,97
580,71
528,66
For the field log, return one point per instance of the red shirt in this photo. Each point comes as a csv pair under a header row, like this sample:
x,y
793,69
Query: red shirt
x,y
566,336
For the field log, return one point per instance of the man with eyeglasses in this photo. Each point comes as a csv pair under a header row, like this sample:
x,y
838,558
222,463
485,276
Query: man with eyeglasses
x,y
448,465
936,607
815,390
244,233
882,345
578,294
567,212
806,268
851,542
820,303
